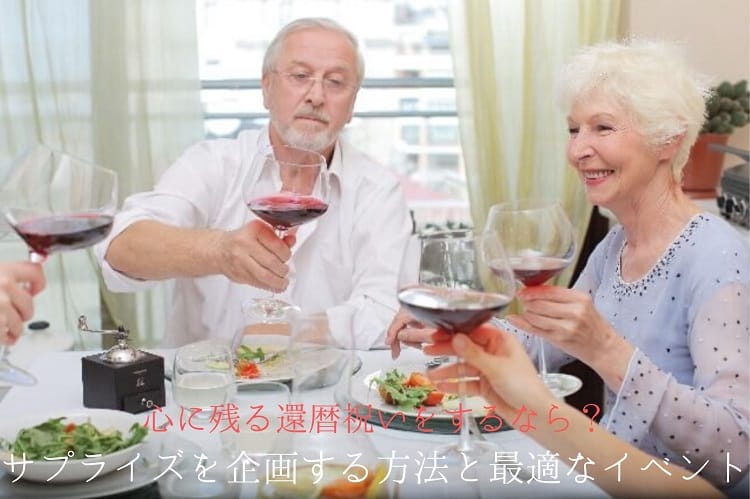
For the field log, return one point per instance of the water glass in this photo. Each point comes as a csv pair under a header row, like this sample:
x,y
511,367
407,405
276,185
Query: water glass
x,y
203,376
261,407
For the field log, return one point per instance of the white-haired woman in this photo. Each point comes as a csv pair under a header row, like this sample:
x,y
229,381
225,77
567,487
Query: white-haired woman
x,y
661,310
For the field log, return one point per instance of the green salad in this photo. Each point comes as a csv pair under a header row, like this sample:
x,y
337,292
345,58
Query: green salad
x,y
55,438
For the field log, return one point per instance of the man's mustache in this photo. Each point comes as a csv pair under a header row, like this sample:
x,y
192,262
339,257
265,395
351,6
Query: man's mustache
x,y
312,114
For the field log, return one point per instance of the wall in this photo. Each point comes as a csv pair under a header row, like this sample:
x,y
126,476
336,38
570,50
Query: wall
x,y
716,34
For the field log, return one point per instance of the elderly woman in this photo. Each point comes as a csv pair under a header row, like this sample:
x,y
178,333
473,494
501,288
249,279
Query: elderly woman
x,y
661,309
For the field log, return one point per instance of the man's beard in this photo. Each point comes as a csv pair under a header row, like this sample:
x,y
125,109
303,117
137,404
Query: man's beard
x,y
312,141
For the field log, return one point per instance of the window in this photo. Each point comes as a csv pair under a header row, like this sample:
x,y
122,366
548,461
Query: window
x,y
410,134
405,116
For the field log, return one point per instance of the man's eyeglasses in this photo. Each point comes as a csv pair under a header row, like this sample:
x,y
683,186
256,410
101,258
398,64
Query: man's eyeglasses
x,y
303,81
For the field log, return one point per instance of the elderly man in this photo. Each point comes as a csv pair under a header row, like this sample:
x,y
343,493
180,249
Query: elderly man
x,y
195,228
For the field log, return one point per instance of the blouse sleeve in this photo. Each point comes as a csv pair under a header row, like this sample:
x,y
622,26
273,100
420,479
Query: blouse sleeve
x,y
703,426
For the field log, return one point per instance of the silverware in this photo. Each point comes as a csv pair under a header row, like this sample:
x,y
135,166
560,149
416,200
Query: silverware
x,y
437,361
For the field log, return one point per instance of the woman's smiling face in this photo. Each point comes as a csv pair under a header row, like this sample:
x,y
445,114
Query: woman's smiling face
x,y
614,161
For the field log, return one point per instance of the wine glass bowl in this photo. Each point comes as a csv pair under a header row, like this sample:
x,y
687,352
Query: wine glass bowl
x,y
291,187
285,187
55,202
539,241
456,284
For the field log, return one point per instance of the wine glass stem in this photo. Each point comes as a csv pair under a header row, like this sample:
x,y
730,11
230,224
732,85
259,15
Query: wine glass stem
x,y
542,358
464,443
280,233
35,257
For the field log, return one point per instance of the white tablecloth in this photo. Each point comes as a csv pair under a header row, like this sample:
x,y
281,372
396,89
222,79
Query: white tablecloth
x,y
60,387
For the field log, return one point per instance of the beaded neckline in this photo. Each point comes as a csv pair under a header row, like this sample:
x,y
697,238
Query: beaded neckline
x,y
660,270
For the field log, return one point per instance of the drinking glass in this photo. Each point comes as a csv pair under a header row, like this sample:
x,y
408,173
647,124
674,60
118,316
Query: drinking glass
x,y
55,202
285,187
321,361
456,284
264,402
203,376
540,243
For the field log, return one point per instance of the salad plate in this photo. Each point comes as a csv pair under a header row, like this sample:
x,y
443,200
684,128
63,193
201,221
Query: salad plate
x,y
440,418
111,438
273,361
145,472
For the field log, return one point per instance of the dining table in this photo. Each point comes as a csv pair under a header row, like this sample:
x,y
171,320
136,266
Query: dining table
x,y
60,391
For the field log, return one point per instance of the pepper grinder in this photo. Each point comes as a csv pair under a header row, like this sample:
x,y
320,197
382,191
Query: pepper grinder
x,y
121,378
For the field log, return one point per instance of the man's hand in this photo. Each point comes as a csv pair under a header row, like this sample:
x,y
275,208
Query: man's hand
x,y
254,254
404,329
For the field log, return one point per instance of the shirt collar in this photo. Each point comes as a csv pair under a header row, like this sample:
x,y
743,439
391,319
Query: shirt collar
x,y
336,166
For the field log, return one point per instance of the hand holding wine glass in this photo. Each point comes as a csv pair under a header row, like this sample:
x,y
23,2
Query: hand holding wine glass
x,y
540,243
56,203
19,283
456,284
285,187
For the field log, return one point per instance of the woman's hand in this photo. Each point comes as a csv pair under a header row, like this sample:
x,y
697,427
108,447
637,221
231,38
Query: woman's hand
x,y
404,329
507,378
568,319
19,283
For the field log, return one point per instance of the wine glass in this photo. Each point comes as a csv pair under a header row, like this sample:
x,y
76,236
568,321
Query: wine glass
x,y
285,187
540,243
203,376
56,203
456,284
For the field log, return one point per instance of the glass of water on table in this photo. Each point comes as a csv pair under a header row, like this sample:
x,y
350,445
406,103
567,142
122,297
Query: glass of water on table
x,y
203,376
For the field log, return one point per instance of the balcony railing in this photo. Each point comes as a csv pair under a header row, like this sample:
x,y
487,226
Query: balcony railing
x,y
371,83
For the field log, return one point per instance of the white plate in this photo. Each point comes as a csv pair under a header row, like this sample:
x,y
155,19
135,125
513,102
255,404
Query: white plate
x,y
117,482
568,385
317,360
74,470
277,369
365,392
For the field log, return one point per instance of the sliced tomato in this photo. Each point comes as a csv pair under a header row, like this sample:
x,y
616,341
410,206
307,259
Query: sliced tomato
x,y
433,398
417,379
70,427
247,369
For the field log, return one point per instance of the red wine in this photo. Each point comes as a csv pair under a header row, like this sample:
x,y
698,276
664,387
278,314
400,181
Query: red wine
x,y
283,211
454,310
536,270
46,235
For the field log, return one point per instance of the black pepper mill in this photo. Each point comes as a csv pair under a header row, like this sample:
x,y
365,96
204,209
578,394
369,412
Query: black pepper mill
x,y
121,378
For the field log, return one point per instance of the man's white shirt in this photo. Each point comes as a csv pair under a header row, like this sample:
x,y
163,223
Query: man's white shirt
x,y
344,263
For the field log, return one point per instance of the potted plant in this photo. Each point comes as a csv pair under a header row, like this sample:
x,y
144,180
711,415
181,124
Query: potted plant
x,y
726,109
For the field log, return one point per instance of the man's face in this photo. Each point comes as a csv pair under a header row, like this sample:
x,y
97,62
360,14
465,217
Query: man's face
x,y
310,93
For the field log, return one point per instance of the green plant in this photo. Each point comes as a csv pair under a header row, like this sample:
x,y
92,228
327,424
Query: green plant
x,y
727,108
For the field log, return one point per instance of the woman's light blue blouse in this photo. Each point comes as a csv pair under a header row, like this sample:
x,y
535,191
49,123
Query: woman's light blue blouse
x,y
686,394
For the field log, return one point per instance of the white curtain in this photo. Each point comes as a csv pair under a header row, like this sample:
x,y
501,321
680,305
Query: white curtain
x,y
506,54
112,81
